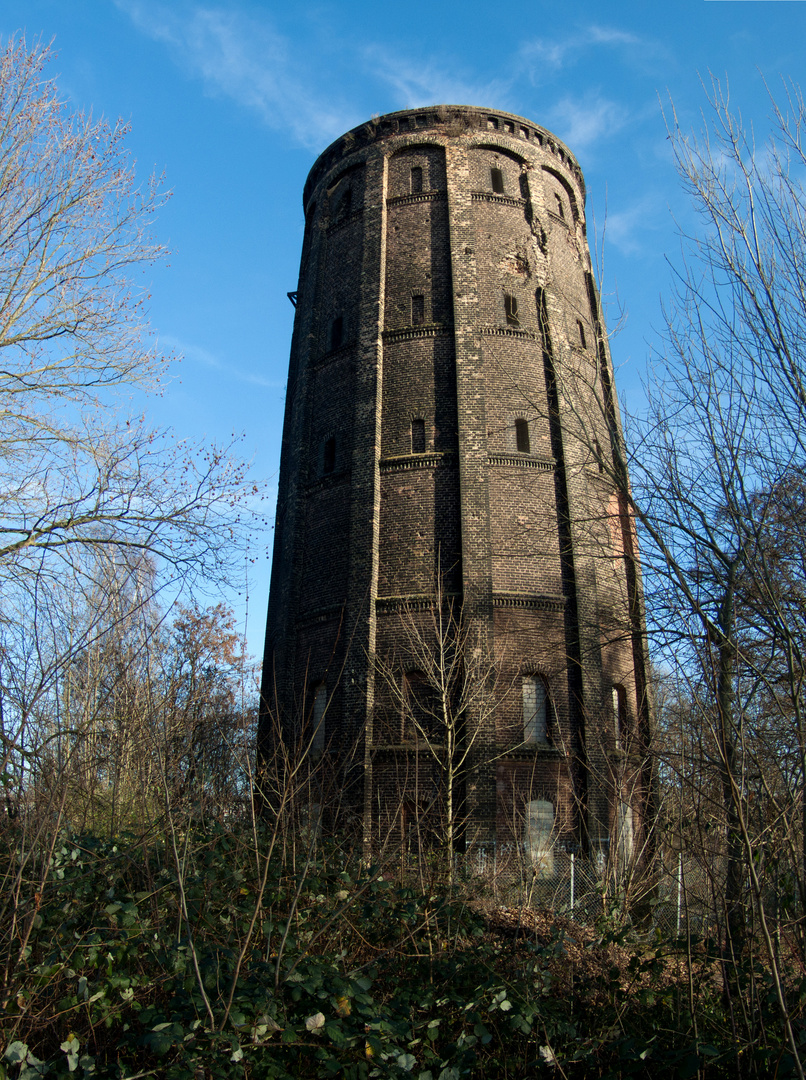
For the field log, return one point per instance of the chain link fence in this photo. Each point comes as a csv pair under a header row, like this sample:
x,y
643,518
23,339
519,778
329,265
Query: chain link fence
x,y
679,895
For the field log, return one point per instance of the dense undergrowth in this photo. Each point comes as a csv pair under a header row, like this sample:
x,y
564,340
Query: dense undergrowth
x,y
197,958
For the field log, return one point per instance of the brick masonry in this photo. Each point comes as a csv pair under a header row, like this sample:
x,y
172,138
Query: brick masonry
x,y
446,297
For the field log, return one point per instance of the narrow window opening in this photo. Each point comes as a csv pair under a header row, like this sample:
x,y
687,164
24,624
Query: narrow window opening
x,y
497,181
619,715
583,341
346,204
597,450
626,834
538,835
318,718
336,333
416,179
417,309
511,309
418,436
536,706
560,207
329,456
522,442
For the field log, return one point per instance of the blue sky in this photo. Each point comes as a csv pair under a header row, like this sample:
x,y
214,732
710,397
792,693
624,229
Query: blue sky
x,y
233,101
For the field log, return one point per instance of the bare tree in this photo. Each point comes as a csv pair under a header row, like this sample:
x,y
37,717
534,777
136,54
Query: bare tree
x,y
442,690
717,472
83,483
75,470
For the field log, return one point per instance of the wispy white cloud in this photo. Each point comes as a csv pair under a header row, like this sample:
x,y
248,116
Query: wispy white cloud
x,y
629,230
605,35
428,81
244,58
196,354
547,55
582,121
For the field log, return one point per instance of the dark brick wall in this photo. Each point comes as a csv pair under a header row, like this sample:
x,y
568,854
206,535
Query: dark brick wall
x,y
450,245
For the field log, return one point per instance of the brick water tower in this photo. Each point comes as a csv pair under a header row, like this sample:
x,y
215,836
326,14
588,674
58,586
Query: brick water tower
x,y
452,437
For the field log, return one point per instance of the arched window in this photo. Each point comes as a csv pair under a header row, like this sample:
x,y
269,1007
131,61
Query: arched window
x,y
318,710
329,455
538,836
416,179
619,715
497,181
336,333
522,442
418,435
511,309
536,710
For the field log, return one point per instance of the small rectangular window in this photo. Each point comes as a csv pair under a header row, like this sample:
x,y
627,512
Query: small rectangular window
x,y
538,836
535,710
583,341
416,179
620,714
418,436
417,309
522,443
336,333
511,309
560,207
497,181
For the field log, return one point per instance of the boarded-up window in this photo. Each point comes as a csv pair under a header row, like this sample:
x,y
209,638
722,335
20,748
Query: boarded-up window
x,y
522,442
511,309
625,838
418,436
416,179
417,309
535,710
538,836
619,714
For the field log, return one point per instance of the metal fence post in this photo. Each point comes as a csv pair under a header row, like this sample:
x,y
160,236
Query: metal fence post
x,y
572,881
679,888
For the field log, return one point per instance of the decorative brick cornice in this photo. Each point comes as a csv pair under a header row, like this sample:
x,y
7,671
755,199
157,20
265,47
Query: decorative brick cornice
x,y
410,333
522,461
419,197
533,601
489,196
509,331
417,461
412,602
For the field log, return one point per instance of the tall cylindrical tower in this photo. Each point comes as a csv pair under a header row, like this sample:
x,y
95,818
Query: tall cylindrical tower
x,y
452,440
